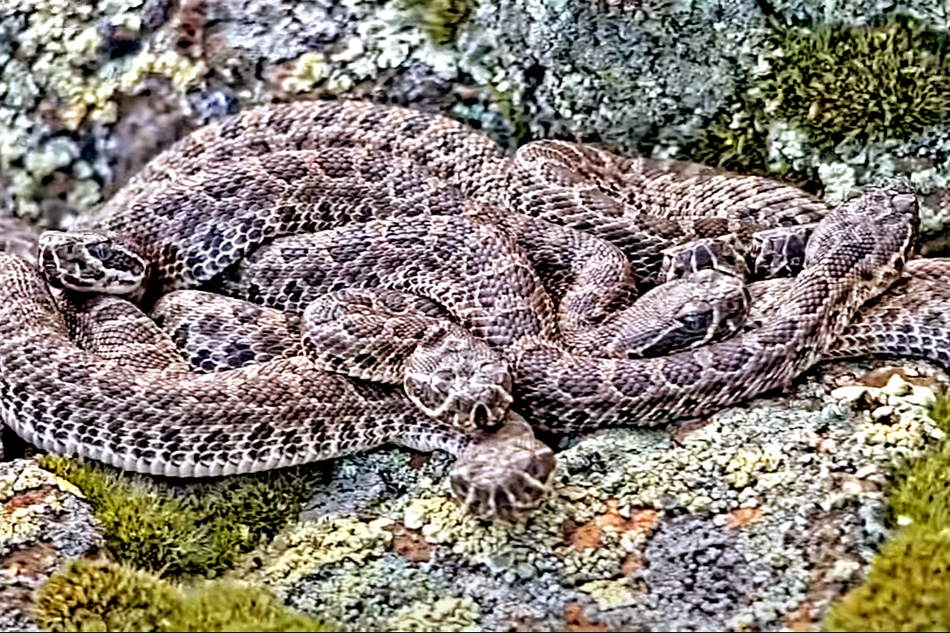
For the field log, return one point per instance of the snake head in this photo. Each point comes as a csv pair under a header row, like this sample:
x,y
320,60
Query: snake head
x,y
686,313
504,474
89,261
462,381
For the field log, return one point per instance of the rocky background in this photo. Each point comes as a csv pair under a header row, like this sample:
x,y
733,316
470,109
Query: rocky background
x,y
760,518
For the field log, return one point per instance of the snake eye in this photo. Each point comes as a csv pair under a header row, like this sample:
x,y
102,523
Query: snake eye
x,y
696,322
696,317
101,251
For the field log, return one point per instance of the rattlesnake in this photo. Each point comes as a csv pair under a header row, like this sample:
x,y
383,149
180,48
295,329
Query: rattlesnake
x,y
374,178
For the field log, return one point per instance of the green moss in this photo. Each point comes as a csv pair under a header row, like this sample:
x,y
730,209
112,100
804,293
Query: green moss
x,y
835,83
921,493
200,533
442,19
735,140
885,81
105,596
908,586
907,589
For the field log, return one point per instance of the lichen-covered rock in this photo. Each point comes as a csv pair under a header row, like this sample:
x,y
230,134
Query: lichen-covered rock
x,y
629,74
43,522
757,518
754,86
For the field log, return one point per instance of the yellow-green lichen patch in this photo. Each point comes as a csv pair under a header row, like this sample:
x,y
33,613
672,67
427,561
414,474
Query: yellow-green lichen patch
x,y
201,532
518,548
104,596
908,585
445,614
884,81
305,547
442,19
610,594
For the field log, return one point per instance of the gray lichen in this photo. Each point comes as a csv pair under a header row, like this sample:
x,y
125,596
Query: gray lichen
x,y
756,519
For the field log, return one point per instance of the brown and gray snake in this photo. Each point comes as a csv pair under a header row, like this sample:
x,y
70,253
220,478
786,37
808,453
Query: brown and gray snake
x,y
414,259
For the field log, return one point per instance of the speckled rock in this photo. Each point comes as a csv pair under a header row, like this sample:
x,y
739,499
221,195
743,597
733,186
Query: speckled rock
x,y
755,518
79,82
858,11
628,74
43,522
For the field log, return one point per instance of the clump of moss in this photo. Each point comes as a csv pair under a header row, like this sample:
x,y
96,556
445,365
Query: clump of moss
x,y
443,19
921,494
735,140
863,83
907,589
908,586
200,533
105,596
869,82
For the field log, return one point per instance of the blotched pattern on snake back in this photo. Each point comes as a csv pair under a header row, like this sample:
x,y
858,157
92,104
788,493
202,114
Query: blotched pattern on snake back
x,y
205,204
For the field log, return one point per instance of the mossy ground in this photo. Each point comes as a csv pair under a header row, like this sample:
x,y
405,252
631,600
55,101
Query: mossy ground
x,y
158,534
99,595
441,20
884,81
908,586
838,83
196,534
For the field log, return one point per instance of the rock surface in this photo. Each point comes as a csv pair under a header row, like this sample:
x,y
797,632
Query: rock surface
x,y
755,519
43,522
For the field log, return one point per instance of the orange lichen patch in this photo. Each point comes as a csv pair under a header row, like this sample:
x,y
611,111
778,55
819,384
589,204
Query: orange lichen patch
x,y
576,622
631,565
418,461
28,562
26,499
591,534
409,544
801,619
742,517
881,376
827,445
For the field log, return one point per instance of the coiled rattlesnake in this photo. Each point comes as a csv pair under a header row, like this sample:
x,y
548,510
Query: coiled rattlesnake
x,y
398,198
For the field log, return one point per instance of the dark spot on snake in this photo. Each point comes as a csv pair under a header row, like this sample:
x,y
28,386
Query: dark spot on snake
x,y
731,358
407,240
576,418
238,354
603,203
581,381
631,377
287,167
281,125
260,432
682,370
375,171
